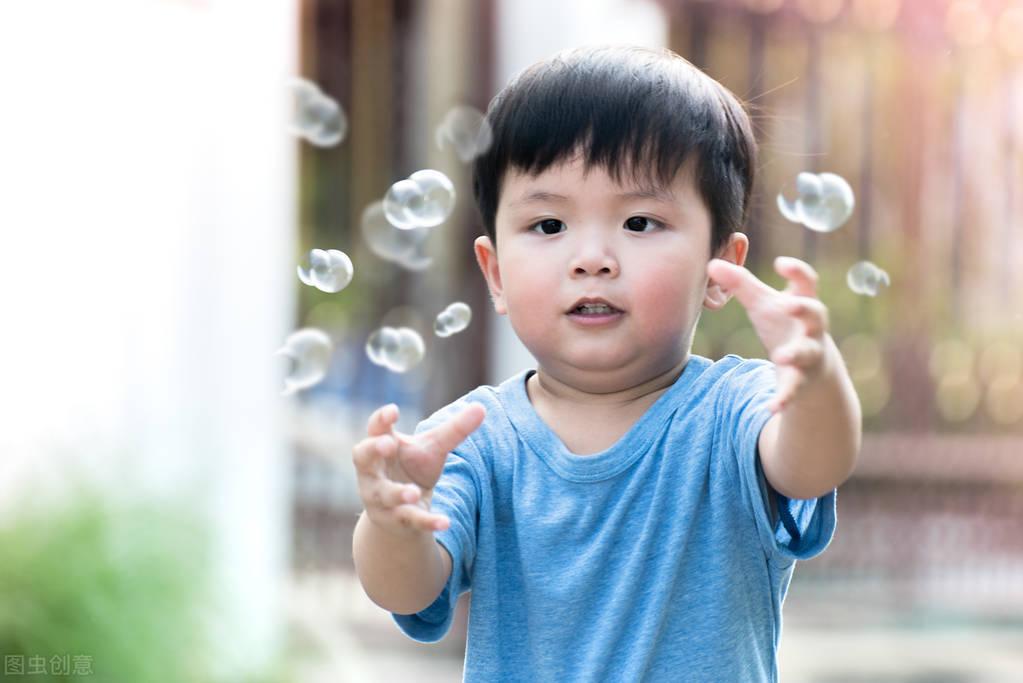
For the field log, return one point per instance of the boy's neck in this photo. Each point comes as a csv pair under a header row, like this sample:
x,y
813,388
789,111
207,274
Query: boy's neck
x,y
545,387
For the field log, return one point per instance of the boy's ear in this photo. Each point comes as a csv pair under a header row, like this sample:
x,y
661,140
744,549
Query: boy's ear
x,y
735,251
486,257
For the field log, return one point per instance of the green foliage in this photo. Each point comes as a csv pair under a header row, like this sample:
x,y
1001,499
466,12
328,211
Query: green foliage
x,y
119,584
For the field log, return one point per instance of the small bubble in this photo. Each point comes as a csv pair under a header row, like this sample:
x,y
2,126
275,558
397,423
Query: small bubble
x,y
866,278
397,349
404,247
309,351
452,319
315,116
467,130
423,200
329,271
823,203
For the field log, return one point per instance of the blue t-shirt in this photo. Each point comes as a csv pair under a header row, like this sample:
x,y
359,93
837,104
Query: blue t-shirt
x,y
658,559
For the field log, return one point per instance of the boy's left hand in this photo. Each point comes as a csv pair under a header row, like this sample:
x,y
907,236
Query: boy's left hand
x,y
793,324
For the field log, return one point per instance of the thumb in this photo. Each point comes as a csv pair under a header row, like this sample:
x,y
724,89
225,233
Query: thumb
x,y
737,281
425,463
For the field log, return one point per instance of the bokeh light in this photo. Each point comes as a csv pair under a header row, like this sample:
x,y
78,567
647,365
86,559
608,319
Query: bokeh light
x,y
957,397
1004,400
999,359
1009,30
820,11
966,23
951,356
876,15
864,360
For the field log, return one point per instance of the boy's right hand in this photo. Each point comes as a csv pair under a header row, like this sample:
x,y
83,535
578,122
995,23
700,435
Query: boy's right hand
x,y
397,472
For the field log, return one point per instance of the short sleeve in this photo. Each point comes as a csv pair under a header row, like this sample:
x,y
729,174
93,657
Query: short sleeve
x,y
789,529
456,495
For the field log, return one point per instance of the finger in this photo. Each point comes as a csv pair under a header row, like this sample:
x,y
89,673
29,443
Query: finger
x,y
800,274
382,419
415,517
738,281
803,353
446,436
384,494
369,455
811,312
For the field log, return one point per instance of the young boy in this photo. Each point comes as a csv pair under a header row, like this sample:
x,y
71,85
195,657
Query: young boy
x,y
625,511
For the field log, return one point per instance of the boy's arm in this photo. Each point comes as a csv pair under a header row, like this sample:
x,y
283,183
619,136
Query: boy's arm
x,y
400,565
809,446
402,574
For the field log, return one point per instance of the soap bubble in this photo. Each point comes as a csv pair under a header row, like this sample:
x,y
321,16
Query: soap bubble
x,y
309,351
467,130
452,319
315,116
396,348
824,202
329,271
404,247
866,278
424,199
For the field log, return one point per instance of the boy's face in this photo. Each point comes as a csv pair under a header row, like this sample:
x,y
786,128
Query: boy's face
x,y
573,233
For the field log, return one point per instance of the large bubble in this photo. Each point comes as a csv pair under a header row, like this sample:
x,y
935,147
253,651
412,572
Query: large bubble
x,y
396,348
309,351
866,278
466,130
423,200
407,248
824,202
315,116
329,270
452,319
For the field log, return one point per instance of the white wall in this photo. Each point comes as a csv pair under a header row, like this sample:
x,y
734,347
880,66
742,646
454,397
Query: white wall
x,y
146,227
530,30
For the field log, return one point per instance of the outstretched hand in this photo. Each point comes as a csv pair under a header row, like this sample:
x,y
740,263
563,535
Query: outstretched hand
x,y
792,324
397,472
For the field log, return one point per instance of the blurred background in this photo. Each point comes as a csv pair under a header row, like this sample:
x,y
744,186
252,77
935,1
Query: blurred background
x,y
167,515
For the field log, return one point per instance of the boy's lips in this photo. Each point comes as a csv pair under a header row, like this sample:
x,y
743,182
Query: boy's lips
x,y
593,302
593,311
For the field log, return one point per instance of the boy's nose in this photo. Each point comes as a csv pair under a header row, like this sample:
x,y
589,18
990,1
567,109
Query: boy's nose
x,y
594,261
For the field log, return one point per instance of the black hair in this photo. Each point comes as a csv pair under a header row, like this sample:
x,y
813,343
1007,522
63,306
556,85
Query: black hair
x,y
631,111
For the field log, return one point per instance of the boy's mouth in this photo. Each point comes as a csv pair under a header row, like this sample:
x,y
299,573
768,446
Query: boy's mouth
x,y
595,310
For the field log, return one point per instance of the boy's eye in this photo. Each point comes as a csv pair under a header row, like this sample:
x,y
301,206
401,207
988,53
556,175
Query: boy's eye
x,y
550,226
641,224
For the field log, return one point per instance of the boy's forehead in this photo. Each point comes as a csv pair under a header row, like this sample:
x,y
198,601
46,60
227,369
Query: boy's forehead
x,y
556,182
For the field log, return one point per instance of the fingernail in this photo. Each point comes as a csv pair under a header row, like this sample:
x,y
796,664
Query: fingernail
x,y
410,495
